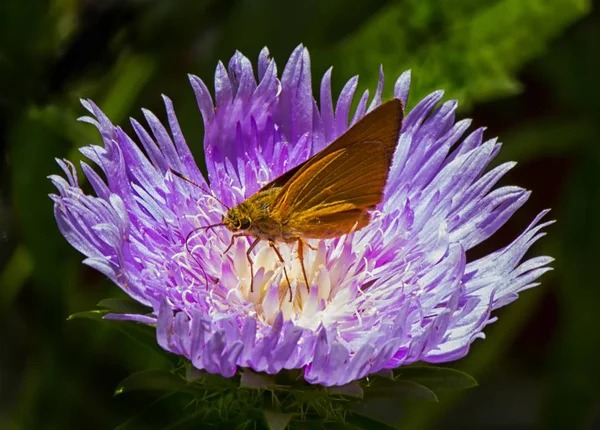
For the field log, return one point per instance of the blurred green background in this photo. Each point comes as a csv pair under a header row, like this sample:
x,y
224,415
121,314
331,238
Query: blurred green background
x,y
527,69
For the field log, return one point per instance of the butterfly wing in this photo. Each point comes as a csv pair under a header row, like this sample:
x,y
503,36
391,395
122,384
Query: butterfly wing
x,y
329,196
334,224
352,176
381,124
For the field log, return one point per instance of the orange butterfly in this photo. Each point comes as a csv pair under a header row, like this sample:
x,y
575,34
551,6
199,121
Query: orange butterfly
x,y
328,195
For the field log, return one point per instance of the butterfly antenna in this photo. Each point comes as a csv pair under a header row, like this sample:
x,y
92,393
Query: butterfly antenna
x,y
208,227
185,178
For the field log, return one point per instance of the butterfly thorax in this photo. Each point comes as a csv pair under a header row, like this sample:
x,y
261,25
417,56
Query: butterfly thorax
x,y
255,217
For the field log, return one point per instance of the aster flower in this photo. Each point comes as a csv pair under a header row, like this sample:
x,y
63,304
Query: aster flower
x,y
395,292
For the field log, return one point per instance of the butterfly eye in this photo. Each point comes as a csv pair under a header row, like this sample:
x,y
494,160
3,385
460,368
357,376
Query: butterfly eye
x,y
245,224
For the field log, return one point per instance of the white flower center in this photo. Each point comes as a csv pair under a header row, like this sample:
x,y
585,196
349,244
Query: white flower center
x,y
270,291
335,270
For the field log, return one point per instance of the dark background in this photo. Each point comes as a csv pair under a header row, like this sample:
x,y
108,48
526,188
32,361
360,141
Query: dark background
x,y
527,69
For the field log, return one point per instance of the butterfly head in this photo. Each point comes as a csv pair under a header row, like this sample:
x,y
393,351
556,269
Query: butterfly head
x,y
237,219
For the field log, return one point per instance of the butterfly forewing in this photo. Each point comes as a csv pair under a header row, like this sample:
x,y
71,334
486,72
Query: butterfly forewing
x,y
333,224
331,192
352,177
381,124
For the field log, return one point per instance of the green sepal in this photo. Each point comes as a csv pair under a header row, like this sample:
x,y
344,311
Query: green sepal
x,y
352,389
385,373
192,374
286,399
277,420
250,379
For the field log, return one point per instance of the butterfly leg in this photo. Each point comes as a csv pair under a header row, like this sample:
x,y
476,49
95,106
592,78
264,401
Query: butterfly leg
x,y
301,244
308,244
233,238
274,246
251,261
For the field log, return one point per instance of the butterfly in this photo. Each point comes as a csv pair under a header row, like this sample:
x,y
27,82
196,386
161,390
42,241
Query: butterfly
x,y
325,197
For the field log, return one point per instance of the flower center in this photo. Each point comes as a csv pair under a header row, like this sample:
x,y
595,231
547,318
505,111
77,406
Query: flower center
x,y
270,290
336,269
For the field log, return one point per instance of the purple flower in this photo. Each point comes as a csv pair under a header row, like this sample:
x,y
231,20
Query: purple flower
x,y
398,291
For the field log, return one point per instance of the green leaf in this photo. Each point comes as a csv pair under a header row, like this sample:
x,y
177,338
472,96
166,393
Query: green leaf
x,y
124,305
399,389
436,378
277,420
152,413
143,334
215,383
386,401
352,389
255,380
154,380
358,420
192,418
94,315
